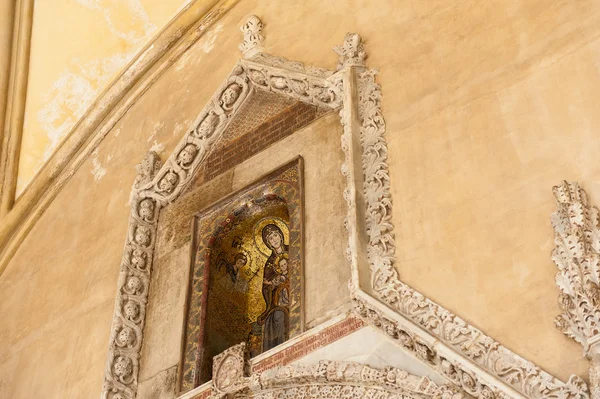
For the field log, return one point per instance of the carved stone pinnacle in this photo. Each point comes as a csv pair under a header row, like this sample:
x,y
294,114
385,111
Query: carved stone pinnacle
x,y
253,38
147,169
352,52
577,244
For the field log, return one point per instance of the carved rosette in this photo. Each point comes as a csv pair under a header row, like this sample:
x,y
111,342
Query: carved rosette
x,y
230,371
120,381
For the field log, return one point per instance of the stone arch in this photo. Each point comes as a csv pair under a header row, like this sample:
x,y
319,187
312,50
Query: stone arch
x,y
324,380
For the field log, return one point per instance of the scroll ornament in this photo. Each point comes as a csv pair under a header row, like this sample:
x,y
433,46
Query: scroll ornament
x,y
340,379
471,343
577,239
576,226
158,186
252,36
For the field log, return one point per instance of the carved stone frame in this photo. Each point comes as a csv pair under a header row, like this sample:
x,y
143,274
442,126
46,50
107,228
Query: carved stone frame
x,y
226,206
327,379
460,352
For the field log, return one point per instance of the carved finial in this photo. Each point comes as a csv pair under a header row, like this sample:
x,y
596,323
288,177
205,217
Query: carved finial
x,y
352,52
147,169
253,39
577,239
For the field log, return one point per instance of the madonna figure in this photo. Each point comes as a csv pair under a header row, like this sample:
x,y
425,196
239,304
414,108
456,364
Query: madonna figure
x,y
275,289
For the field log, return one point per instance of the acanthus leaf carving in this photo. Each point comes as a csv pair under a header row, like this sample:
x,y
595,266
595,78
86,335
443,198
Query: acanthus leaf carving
x,y
465,339
157,186
576,254
351,52
147,169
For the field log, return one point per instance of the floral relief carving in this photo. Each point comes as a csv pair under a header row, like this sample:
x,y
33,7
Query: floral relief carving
x,y
351,52
337,379
576,254
157,186
312,90
577,238
279,62
466,340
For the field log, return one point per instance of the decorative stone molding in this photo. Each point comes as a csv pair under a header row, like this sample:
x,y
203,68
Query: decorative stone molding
x,y
577,237
465,340
156,186
296,84
229,371
120,379
464,355
458,368
351,52
576,226
279,62
330,379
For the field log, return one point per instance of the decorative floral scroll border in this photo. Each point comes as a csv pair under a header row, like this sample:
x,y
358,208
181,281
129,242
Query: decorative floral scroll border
x,y
157,186
273,187
468,342
352,88
331,379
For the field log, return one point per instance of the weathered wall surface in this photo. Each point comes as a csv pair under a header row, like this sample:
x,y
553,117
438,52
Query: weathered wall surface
x,y
487,106
74,60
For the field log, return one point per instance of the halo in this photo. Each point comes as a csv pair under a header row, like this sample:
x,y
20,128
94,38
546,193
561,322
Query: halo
x,y
260,225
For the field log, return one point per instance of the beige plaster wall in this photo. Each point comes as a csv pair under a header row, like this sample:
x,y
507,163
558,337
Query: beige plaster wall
x,y
487,106
77,48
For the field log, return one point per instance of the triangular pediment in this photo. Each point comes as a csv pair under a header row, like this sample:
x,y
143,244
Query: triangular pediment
x,y
427,339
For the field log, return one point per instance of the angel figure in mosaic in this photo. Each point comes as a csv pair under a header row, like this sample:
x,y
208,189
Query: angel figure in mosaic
x,y
231,278
275,289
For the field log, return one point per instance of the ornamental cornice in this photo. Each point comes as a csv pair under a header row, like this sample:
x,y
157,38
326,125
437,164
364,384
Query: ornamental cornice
x,y
333,379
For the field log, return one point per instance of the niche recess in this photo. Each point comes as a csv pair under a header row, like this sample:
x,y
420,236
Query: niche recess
x,y
246,273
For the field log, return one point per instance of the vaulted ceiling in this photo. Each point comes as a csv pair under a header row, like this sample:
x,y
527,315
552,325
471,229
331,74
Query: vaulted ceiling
x,y
77,48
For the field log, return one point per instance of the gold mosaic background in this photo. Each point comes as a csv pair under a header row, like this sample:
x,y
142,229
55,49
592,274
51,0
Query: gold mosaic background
x,y
221,232
233,308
